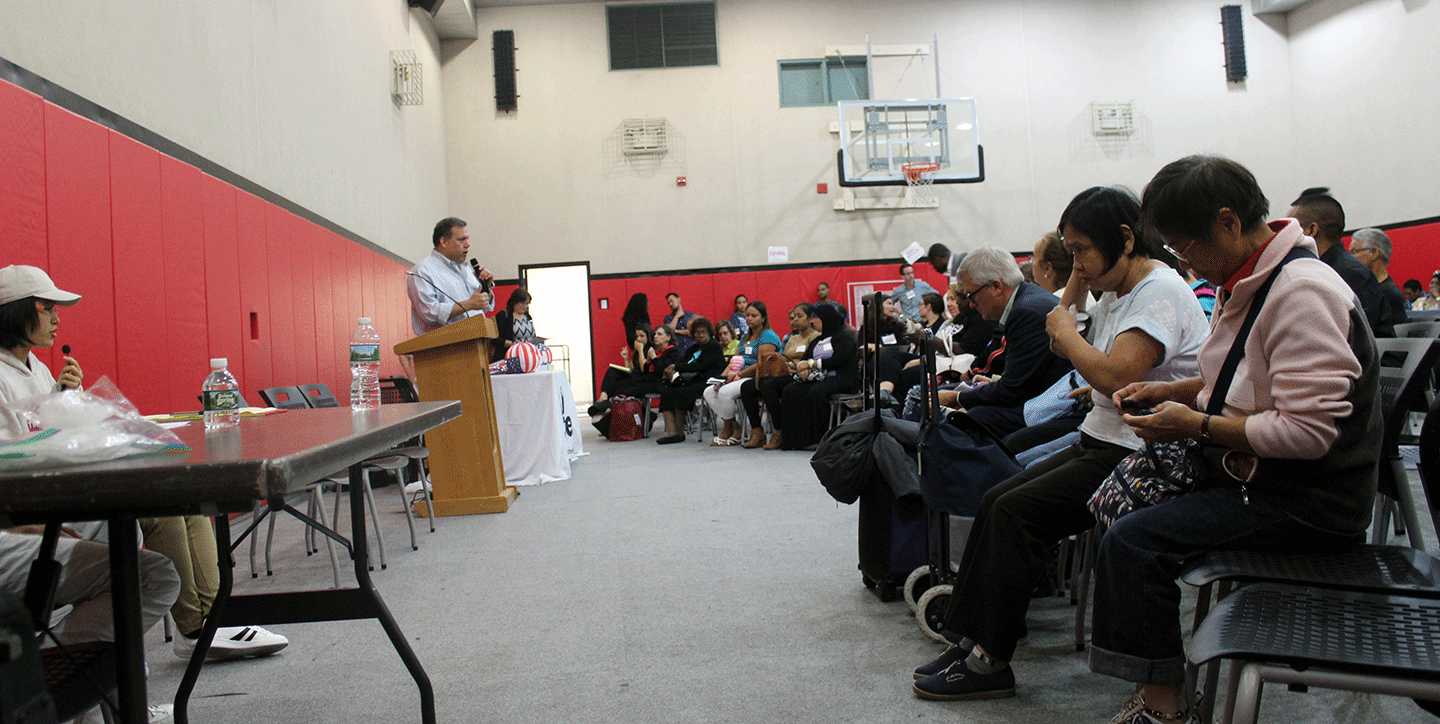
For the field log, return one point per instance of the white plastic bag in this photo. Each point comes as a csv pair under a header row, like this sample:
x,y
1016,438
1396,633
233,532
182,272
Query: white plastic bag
x,y
82,426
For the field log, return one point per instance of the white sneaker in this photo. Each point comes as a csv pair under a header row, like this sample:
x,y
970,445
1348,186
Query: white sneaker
x,y
417,486
162,713
234,642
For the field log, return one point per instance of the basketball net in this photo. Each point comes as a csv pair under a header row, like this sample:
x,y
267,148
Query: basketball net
x,y
920,177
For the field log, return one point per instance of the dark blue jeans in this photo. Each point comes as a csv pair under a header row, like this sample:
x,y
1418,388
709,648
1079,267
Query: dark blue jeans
x,y
1137,600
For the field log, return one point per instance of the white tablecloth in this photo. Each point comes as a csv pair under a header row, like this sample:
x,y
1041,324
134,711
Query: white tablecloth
x,y
539,430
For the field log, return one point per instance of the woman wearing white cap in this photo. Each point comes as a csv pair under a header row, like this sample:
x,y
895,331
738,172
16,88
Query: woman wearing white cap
x,y
29,319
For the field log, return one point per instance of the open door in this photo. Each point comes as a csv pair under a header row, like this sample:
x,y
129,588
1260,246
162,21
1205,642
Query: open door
x,y
560,306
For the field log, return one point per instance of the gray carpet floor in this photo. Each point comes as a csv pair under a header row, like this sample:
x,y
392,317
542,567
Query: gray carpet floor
x,y
675,583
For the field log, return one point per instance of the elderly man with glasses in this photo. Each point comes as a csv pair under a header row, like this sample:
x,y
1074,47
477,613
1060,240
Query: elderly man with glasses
x,y
1018,364
1372,248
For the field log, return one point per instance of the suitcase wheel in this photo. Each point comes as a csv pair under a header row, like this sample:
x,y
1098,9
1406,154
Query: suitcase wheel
x,y
930,611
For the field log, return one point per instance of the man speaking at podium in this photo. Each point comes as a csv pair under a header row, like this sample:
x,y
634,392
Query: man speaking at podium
x,y
441,289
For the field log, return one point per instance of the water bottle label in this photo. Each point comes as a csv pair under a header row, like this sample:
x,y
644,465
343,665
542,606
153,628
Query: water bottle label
x,y
218,400
364,353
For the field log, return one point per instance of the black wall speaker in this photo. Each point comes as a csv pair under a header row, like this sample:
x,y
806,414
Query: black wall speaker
x,y
503,45
1230,23
429,6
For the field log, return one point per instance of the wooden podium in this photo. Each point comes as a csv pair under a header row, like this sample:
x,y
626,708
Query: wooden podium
x,y
466,468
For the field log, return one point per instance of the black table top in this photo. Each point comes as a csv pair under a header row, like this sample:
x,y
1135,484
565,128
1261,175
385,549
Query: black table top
x,y
225,471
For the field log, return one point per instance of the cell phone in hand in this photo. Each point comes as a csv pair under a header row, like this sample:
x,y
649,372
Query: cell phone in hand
x,y
1135,408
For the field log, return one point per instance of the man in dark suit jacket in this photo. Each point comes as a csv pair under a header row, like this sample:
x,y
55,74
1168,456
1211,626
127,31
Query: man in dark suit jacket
x,y
1020,350
1323,219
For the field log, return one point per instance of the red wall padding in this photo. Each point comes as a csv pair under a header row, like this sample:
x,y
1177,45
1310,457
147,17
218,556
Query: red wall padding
x,y
77,201
172,263
137,265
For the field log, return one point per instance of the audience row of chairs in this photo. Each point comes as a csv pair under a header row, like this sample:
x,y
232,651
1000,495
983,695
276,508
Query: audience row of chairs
x,y
1367,619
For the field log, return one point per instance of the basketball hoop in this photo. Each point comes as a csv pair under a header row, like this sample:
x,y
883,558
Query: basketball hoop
x,y
920,177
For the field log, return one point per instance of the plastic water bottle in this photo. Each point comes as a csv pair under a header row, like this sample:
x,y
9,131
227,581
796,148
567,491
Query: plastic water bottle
x,y
364,367
222,396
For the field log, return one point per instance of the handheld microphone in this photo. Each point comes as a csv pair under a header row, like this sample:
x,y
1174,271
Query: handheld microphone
x,y
485,284
65,350
438,289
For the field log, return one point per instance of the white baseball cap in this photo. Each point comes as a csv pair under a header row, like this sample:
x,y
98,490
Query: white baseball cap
x,y
19,281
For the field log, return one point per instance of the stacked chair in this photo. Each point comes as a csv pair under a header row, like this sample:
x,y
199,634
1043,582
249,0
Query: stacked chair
x,y
1365,619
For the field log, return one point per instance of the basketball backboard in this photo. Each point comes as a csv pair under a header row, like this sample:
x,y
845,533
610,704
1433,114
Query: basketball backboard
x,y
877,138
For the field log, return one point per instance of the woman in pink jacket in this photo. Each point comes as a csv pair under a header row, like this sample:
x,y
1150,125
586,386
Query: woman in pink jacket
x,y
1291,457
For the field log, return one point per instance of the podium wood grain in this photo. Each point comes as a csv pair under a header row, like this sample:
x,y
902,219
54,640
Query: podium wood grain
x,y
467,471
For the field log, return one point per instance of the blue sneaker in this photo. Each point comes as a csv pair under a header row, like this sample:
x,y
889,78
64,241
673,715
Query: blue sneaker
x,y
956,652
959,683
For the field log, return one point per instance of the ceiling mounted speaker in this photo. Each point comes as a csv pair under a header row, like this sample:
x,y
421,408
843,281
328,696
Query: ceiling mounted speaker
x,y
429,6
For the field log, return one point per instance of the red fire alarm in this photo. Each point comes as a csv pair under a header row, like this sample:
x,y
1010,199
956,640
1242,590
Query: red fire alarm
x,y
822,188
679,180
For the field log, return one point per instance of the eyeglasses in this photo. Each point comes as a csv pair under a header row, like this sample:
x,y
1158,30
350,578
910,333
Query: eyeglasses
x,y
47,308
1179,253
965,296
1360,249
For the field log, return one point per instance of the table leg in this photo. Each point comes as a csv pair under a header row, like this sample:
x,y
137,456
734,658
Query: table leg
x,y
125,605
212,622
361,555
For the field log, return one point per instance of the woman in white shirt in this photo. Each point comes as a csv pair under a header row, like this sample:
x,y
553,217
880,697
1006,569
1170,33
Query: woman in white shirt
x,y
1147,326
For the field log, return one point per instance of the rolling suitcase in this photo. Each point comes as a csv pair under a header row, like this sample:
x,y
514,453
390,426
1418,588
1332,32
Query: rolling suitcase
x,y
893,525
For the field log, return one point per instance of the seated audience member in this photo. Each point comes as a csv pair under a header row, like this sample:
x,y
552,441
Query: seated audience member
x,y
1292,457
1371,247
1147,325
829,366
514,324
729,341
189,543
1323,219
1413,293
1052,263
654,355
634,358
959,338
901,370
679,320
822,294
723,398
802,333
738,320
1019,353
1432,301
1053,417
29,319
637,314
686,380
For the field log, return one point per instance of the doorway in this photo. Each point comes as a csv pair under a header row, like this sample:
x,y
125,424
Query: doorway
x,y
560,306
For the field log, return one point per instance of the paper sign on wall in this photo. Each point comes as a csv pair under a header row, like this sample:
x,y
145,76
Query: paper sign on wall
x,y
912,252
779,254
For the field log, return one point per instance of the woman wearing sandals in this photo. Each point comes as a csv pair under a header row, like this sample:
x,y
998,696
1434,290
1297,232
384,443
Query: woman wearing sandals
x,y
723,399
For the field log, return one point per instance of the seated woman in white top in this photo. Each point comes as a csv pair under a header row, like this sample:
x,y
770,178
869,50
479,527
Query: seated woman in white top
x,y
1146,326
29,319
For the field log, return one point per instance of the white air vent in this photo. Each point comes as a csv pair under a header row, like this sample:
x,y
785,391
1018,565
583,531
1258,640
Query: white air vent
x,y
645,137
407,79
1112,119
